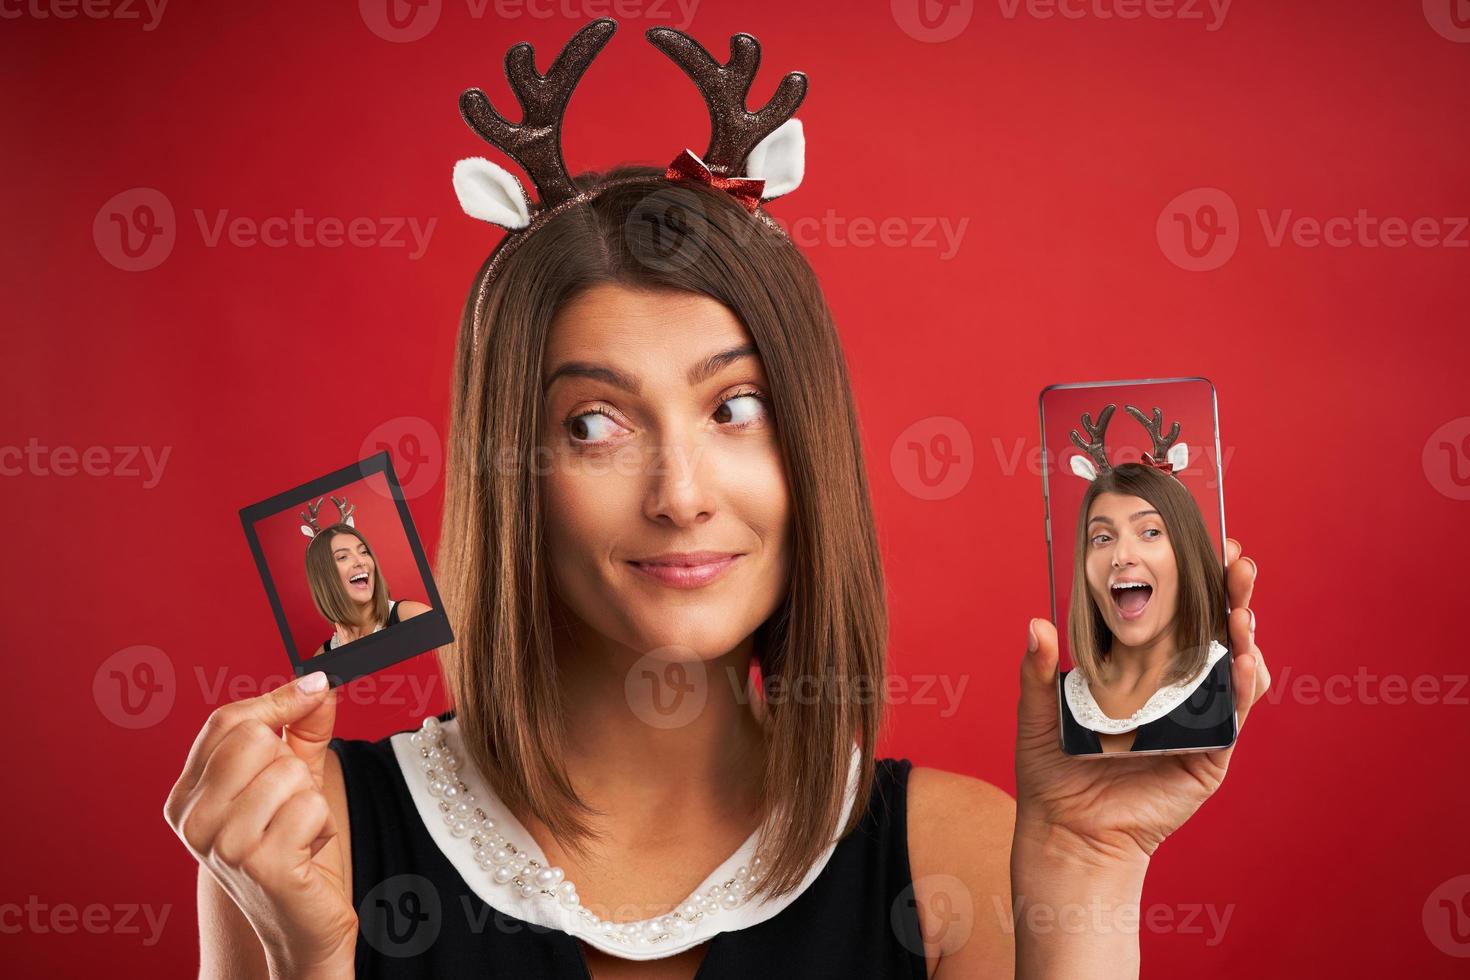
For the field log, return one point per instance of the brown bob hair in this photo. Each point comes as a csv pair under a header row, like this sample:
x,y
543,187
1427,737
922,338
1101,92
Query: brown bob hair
x,y
327,590
1201,615
501,670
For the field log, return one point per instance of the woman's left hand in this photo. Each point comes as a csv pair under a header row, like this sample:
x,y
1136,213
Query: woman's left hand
x,y
1122,808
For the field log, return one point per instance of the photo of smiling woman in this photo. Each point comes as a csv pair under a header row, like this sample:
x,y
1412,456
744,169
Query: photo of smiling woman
x,y
346,584
656,491
1146,620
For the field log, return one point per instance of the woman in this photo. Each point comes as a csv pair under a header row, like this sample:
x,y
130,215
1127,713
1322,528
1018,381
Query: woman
x,y
655,490
1146,619
342,572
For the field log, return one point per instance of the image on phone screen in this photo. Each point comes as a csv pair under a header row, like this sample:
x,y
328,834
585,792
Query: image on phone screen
x,y
1135,530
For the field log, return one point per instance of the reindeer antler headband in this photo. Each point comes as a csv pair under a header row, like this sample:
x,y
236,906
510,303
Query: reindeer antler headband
x,y
1168,455
768,144
344,515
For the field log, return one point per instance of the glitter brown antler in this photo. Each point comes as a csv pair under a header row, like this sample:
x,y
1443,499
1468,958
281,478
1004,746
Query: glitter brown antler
x,y
310,518
1094,447
535,142
735,130
344,510
1154,427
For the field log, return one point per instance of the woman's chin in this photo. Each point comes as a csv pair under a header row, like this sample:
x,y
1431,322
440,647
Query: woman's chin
x,y
686,640
1136,633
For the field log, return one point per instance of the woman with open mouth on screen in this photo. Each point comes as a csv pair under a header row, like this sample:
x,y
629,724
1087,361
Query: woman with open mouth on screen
x,y
1147,614
346,585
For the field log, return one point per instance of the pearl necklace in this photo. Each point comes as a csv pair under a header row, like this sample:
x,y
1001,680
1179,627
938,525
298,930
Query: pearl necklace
x,y
511,867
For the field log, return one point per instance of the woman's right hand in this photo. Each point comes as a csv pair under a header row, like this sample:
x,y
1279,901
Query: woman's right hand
x,y
250,807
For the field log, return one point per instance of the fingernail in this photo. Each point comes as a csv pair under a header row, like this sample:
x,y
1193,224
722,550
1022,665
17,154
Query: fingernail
x,y
312,683
1253,621
1031,642
1255,569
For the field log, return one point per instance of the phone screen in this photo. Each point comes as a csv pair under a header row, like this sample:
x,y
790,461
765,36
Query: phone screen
x,y
1135,528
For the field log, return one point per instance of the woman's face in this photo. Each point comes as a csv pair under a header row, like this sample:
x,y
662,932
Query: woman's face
x,y
1131,571
667,509
354,566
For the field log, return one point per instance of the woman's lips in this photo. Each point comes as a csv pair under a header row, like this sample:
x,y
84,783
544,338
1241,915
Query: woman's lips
x,y
686,572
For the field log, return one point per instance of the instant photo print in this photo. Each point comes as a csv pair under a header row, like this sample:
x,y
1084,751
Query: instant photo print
x,y
1135,532
346,573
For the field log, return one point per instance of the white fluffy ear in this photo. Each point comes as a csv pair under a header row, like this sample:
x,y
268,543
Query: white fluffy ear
x,y
779,159
307,531
1179,455
1084,467
491,193
352,522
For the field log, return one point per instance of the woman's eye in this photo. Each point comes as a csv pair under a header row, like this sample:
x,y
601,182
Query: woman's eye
x,y
1152,533
1098,540
593,426
751,407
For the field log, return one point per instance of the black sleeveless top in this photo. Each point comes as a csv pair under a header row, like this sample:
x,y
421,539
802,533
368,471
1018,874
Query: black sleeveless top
x,y
1202,720
417,917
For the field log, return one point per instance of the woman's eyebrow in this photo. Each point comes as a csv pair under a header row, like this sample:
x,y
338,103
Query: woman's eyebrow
x,y
619,379
1132,517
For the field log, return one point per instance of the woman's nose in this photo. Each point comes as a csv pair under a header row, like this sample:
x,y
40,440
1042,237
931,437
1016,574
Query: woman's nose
x,y
679,482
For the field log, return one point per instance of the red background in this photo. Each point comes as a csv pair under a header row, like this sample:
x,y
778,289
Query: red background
x,y
1185,402
1060,140
284,547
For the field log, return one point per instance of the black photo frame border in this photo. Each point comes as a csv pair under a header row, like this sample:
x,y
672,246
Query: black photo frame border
x,y
375,651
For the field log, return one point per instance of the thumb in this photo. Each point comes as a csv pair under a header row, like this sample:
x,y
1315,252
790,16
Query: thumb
x,y
308,735
1038,708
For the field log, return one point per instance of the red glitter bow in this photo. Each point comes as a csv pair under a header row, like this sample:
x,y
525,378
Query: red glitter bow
x,y
746,190
1158,464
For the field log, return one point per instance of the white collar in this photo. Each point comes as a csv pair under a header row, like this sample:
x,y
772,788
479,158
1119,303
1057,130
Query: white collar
x,y
542,910
1085,708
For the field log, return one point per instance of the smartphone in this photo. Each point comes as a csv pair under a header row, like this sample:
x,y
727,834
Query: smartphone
x,y
1135,541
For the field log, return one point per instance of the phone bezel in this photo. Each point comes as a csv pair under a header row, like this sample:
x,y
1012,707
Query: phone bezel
x,y
1046,469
